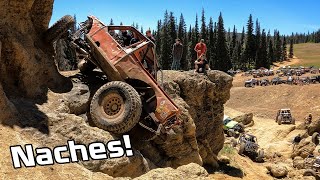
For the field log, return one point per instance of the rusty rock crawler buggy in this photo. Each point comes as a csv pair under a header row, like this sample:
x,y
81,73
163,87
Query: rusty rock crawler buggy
x,y
132,93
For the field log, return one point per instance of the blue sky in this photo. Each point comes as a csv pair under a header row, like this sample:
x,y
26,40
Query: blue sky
x,y
285,15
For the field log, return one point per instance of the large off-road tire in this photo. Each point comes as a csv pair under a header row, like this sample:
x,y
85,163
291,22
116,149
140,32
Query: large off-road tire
x,y
279,121
241,128
310,172
58,28
315,138
260,156
116,107
86,66
293,121
241,149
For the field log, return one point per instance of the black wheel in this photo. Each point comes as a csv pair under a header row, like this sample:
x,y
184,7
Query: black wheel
x,y
279,121
58,29
310,172
116,107
241,149
315,138
241,129
260,156
86,66
293,121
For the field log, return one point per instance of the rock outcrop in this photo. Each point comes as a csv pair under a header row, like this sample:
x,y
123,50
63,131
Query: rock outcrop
x,y
190,171
245,119
304,148
201,99
27,67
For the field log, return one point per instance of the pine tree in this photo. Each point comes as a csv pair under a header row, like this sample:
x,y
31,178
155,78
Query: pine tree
x,y
284,55
242,38
229,37
141,29
203,26
291,49
236,55
172,29
211,44
271,56
182,35
190,48
233,44
262,56
158,40
223,60
111,22
196,29
257,42
277,46
181,27
250,47
165,43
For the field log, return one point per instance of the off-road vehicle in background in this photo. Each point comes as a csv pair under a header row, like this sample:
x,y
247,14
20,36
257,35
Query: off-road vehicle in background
x,y
248,144
250,83
284,116
232,128
264,82
314,79
276,81
132,93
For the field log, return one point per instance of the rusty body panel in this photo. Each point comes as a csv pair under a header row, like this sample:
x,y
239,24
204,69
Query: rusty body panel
x,y
127,63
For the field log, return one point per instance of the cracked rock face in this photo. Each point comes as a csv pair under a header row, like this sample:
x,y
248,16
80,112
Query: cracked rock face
x,y
200,99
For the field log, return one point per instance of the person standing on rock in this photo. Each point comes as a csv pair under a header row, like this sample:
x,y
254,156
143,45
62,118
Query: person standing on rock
x,y
149,36
177,51
200,48
201,66
296,140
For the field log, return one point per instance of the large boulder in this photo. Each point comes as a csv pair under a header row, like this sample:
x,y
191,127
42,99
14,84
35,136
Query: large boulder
x,y
78,99
314,127
278,170
245,119
298,162
190,171
304,148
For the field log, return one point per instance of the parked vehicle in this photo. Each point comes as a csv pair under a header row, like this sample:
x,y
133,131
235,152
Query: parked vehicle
x,y
232,128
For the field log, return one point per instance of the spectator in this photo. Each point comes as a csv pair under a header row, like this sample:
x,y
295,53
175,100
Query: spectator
x,y
200,48
149,35
177,51
201,65
296,140
126,38
308,119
